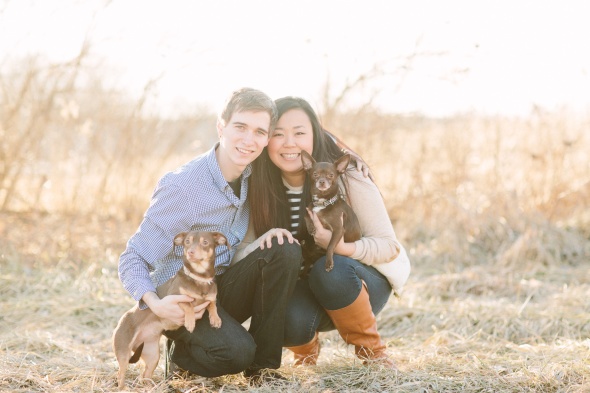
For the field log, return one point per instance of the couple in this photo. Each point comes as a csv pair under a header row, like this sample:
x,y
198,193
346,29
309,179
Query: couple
x,y
251,186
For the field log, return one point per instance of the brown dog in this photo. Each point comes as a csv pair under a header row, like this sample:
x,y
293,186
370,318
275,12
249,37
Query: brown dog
x,y
139,331
329,204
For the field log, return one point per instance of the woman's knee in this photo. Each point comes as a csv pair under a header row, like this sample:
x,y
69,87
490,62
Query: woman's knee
x,y
342,276
337,288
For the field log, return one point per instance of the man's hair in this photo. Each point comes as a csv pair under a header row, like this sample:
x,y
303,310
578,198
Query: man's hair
x,y
248,99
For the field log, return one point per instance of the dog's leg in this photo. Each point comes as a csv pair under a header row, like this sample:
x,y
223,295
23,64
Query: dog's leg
x,y
123,341
150,356
124,358
309,225
122,370
329,260
189,316
337,234
308,247
122,353
214,319
306,267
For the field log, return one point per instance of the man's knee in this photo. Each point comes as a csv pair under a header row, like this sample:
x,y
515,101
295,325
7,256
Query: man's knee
x,y
288,254
241,358
233,357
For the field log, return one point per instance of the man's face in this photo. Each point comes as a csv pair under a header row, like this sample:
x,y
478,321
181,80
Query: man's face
x,y
243,138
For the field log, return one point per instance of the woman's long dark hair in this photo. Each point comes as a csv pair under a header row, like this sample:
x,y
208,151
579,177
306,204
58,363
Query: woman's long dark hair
x,y
266,192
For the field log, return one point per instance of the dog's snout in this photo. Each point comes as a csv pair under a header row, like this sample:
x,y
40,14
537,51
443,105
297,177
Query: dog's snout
x,y
323,183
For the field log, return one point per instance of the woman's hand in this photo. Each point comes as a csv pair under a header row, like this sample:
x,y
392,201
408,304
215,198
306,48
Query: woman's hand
x,y
280,234
322,237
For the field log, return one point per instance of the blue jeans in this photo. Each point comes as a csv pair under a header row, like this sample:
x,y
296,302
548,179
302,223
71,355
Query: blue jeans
x,y
330,290
259,286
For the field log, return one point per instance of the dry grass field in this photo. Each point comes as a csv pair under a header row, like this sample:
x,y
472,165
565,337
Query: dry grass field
x,y
495,213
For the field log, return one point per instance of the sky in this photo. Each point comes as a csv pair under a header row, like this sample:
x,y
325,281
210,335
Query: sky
x,y
432,57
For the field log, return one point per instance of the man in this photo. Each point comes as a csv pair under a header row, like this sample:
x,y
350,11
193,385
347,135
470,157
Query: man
x,y
209,194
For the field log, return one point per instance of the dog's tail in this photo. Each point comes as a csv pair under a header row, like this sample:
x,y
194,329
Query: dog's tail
x,y
137,354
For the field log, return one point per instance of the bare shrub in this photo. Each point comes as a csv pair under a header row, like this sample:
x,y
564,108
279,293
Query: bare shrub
x,y
73,147
480,189
494,212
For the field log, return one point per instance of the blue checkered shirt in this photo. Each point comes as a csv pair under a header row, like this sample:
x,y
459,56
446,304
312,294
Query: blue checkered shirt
x,y
195,196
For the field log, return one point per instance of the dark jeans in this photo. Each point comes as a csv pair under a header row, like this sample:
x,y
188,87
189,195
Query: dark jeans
x,y
259,286
330,290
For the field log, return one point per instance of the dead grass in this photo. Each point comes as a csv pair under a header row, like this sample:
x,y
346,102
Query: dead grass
x,y
495,214
482,328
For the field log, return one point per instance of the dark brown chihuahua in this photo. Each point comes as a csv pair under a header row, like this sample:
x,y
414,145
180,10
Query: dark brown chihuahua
x,y
139,331
329,204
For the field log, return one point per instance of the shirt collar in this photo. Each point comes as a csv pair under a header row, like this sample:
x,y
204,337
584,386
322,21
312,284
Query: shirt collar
x,y
216,170
290,187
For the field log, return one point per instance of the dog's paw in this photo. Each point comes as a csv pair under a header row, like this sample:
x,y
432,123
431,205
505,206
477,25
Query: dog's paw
x,y
215,322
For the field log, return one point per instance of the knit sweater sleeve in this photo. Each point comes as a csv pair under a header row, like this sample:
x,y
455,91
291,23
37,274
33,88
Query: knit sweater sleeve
x,y
379,243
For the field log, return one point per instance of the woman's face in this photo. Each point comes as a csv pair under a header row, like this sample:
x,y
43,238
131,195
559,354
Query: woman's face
x,y
292,134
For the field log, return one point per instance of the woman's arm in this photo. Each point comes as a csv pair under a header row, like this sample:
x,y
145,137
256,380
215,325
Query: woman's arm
x,y
378,243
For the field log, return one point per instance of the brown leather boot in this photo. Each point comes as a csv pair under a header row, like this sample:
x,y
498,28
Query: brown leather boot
x,y
357,325
307,354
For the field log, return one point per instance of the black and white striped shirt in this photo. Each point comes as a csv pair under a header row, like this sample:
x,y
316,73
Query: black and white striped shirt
x,y
294,199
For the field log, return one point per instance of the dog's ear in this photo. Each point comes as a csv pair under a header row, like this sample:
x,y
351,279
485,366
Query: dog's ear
x,y
307,160
220,239
179,239
342,163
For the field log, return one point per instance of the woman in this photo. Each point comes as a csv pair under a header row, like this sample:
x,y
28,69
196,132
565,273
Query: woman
x,y
365,271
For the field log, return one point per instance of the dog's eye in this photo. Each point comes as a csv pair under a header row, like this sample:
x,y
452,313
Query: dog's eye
x,y
205,242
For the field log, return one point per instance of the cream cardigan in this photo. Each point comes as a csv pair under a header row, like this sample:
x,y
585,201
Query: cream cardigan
x,y
378,247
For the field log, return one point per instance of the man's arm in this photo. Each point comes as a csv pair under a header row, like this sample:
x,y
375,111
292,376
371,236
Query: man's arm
x,y
134,274
167,215
361,165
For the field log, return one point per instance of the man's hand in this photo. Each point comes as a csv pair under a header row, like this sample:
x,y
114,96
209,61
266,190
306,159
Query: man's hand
x,y
168,307
200,310
361,165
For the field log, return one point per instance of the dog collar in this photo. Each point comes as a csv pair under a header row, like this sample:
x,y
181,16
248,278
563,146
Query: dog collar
x,y
326,203
197,278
